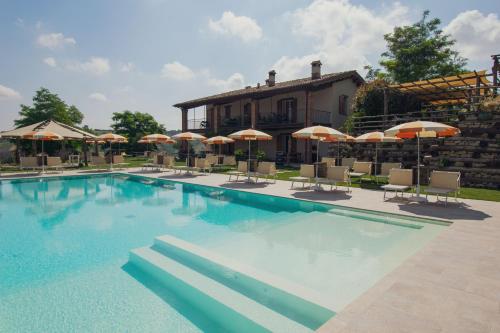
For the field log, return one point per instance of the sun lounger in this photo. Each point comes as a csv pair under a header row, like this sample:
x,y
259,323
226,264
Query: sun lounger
x,y
348,162
335,175
306,174
29,163
266,170
330,161
54,163
400,180
385,168
212,159
241,171
361,169
443,183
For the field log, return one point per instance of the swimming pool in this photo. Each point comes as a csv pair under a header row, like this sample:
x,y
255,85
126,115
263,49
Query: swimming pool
x,y
65,243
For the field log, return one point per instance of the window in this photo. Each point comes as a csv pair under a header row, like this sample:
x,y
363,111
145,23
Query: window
x,y
247,114
287,110
343,104
227,111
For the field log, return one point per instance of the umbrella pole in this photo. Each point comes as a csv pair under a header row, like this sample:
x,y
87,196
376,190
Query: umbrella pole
x,y
338,152
376,157
187,160
43,160
248,164
418,165
317,162
110,157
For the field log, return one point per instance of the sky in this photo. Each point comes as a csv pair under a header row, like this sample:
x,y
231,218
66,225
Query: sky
x,y
109,56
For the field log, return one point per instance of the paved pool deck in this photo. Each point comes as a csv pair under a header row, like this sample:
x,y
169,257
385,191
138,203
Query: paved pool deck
x,y
451,285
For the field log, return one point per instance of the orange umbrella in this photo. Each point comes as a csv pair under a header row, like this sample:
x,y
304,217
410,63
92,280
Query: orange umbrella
x,y
376,137
111,137
424,129
43,136
218,140
318,133
188,136
158,138
250,135
347,138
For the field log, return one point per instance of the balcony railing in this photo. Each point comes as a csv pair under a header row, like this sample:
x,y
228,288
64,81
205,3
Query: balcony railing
x,y
197,124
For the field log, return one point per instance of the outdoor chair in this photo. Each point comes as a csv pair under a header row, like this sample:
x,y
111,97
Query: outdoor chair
x,y
54,163
335,175
155,164
119,161
385,168
169,162
348,162
400,180
212,159
99,162
229,160
361,169
29,163
267,170
240,171
443,183
306,174
203,165
330,161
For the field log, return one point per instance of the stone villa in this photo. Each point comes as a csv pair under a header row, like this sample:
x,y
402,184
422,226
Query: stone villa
x,y
279,109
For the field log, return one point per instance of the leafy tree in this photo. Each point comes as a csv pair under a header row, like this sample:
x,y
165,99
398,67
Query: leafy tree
x,y
48,106
135,125
420,51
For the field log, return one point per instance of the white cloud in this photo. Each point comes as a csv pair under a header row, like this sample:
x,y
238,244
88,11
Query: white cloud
x,y
242,27
98,97
7,93
477,34
177,71
235,81
127,67
344,35
95,65
54,40
50,62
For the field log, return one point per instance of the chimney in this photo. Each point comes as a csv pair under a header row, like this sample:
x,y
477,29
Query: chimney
x,y
316,70
272,78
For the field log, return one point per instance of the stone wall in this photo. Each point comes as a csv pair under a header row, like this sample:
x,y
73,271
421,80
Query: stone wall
x,y
476,153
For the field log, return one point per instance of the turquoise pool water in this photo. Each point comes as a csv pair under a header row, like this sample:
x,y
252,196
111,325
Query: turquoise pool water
x,y
64,243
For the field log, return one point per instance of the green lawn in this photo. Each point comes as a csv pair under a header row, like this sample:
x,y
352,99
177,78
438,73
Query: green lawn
x,y
286,173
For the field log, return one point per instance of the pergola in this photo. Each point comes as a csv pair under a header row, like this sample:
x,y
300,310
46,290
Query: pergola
x,y
467,88
66,131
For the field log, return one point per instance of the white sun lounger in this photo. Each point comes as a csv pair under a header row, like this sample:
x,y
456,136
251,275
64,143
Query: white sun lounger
x,y
443,183
306,174
400,180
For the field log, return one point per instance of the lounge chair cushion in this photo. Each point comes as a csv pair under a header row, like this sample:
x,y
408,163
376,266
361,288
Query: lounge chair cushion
x,y
390,187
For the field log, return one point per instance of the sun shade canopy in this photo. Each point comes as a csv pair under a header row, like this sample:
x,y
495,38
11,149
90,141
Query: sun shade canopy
x,y
250,135
66,131
447,90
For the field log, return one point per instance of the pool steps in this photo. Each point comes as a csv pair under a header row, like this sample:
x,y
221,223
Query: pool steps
x,y
237,295
374,218
232,310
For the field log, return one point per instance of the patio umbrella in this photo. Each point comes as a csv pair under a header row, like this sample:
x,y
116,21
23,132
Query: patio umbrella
x,y
111,137
188,136
250,135
156,138
318,133
43,136
347,139
424,129
218,140
376,137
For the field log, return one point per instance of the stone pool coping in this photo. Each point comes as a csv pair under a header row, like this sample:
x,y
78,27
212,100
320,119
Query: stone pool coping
x,y
452,284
